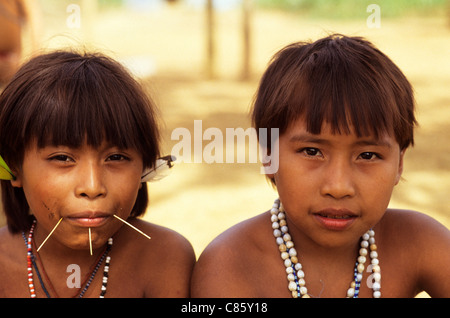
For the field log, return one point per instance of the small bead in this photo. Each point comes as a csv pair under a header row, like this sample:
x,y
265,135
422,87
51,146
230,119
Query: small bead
x,y
275,225
350,292
363,251
282,248
373,254
277,233
361,259
284,255
294,259
373,247
377,294
359,277
301,282
292,286
303,290
292,252
291,277
287,237
300,274
376,286
360,268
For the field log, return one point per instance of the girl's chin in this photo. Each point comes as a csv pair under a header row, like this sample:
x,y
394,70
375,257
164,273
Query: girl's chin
x,y
82,242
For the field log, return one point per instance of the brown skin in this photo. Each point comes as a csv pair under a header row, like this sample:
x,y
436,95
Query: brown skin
x,y
160,267
319,172
244,261
60,182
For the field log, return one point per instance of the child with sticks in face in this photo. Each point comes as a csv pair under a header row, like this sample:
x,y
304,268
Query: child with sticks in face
x,y
77,135
345,115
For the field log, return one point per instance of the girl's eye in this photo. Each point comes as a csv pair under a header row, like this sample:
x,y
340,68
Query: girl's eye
x,y
117,157
311,152
61,158
368,155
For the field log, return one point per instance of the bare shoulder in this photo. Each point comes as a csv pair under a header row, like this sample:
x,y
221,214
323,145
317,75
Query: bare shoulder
x,y
165,261
165,238
9,243
228,263
416,225
424,244
13,255
5,235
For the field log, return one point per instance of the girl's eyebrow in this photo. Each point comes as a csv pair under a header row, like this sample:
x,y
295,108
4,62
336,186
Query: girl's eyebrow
x,y
379,142
373,142
308,138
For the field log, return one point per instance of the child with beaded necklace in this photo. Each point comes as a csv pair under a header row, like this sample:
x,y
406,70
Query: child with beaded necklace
x,y
78,133
345,117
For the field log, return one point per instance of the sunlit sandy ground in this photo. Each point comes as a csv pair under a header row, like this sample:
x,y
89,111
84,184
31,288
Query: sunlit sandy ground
x,y
167,47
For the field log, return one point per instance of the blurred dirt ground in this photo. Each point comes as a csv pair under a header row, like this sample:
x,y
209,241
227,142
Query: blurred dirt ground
x,y
166,48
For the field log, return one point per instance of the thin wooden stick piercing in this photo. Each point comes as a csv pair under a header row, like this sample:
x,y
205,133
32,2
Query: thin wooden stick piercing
x,y
90,241
134,228
49,234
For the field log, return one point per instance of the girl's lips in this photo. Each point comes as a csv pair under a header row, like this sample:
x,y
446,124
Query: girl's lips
x,y
89,219
335,220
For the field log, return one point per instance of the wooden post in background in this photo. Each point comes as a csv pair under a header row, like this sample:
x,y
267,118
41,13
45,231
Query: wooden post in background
x,y
210,45
246,39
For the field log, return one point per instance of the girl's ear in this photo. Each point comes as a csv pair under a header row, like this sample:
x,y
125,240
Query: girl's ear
x,y
17,180
400,166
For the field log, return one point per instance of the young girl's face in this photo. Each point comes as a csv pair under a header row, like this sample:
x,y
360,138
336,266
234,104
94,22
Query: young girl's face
x,y
85,186
335,187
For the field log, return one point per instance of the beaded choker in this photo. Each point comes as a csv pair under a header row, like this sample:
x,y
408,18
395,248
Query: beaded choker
x,y
31,262
295,274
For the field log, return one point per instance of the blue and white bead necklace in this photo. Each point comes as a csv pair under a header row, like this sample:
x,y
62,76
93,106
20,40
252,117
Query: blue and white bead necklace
x,y
295,274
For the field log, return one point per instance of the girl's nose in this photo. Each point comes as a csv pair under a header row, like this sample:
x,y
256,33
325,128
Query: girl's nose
x,y
338,181
90,181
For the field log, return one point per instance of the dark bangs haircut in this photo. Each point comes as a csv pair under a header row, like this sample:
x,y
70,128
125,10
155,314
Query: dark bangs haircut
x,y
68,98
344,81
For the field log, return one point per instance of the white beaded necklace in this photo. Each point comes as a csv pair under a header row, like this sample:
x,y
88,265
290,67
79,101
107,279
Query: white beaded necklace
x,y
295,274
